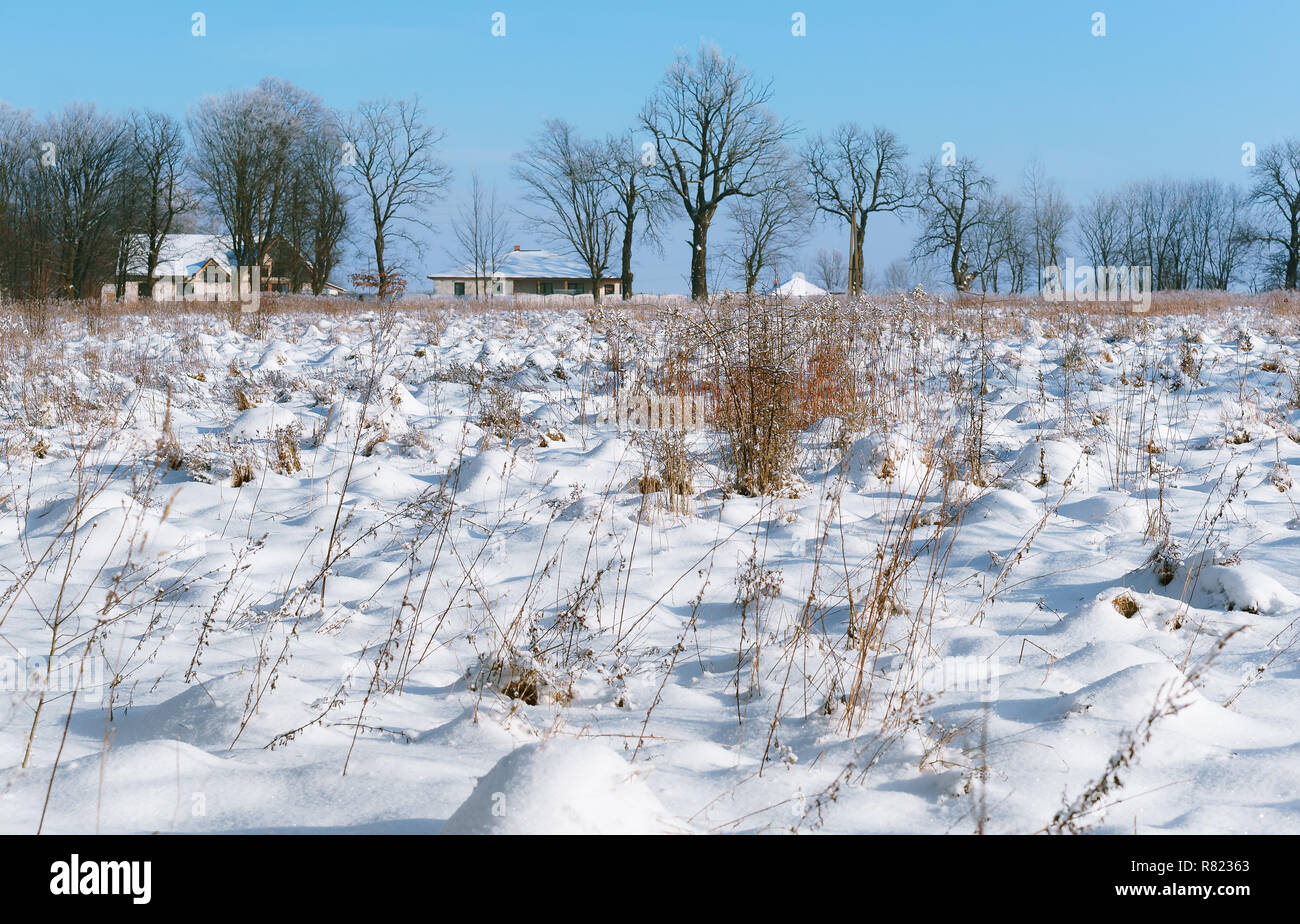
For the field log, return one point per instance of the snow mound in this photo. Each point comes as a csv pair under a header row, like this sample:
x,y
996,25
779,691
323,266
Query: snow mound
x,y
401,397
1002,506
874,456
1244,587
1099,620
543,360
1217,582
562,787
345,417
275,356
1053,462
1099,508
110,523
211,715
144,408
478,729
1132,692
550,416
486,479
887,457
1098,660
263,421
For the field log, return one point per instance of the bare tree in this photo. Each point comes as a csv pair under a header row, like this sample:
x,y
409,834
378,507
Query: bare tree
x,y
128,219
1014,242
1275,196
1000,243
316,216
157,161
80,185
1221,233
1102,230
17,143
954,201
243,143
28,250
571,199
267,160
831,269
1193,234
1161,236
481,231
638,200
769,226
898,276
1047,215
393,158
855,173
714,138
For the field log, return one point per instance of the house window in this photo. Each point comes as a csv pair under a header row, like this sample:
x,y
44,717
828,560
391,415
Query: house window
x,y
545,288
459,288
576,288
609,288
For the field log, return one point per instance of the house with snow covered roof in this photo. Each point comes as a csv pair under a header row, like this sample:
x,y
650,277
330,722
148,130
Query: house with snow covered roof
x,y
201,267
524,272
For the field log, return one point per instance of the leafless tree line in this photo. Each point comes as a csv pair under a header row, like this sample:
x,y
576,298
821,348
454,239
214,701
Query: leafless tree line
x,y
1194,234
85,196
715,140
72,183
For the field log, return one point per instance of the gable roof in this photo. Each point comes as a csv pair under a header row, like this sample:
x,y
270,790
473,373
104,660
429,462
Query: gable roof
x,y
186,254
527,264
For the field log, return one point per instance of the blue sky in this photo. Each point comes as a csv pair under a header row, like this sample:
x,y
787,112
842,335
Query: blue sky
x,y
1173,89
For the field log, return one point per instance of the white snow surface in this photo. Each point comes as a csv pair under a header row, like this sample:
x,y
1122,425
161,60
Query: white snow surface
x,y
562,786
432,623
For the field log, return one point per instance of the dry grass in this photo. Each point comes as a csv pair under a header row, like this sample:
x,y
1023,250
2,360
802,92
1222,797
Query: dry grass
x,y
499,412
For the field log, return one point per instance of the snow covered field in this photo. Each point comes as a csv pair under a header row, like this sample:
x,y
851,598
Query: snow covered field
x,y
324,570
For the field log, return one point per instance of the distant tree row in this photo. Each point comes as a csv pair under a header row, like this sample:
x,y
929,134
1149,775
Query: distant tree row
x,y
1198,234
714,141
85,195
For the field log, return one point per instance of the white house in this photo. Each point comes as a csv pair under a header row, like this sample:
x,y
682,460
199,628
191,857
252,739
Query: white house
x,y
199,267
525,272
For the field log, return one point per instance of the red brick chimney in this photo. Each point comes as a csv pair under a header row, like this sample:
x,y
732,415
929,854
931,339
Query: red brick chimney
x,y
516,247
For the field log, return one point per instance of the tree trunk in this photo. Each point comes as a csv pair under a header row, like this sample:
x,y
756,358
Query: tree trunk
x,y
627,256
1293,255
381,271
857,230
150,267
699,262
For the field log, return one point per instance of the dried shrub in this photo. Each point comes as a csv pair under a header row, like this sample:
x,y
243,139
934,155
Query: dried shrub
x,y
243,468
499,412
282,452
668,464
373,442
756,352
